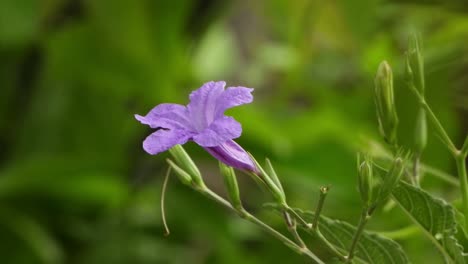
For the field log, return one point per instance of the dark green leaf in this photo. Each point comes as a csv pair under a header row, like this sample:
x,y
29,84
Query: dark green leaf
x,y
434,216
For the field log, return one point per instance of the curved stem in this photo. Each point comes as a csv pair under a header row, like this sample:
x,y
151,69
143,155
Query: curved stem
x,y
163,195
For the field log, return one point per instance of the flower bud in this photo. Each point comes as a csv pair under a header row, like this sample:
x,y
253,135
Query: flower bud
x,y
365,180
186,163
183,176
391,179
420,136
230,181
416,63
385,103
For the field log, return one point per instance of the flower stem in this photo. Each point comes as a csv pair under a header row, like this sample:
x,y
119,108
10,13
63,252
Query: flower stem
x,y
416,170
464,149
362,223
318,209
297,216
315,224
435,122
249,217
163,195
329,245
461,168
292,227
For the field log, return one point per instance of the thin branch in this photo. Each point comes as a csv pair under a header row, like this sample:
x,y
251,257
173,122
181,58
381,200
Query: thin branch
x,y
163,195
249,217
362,223
318,209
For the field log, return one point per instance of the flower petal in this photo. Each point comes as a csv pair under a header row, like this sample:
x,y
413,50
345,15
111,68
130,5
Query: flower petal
x,y
203,103
233,96
163,140
231,154
171,116
220,131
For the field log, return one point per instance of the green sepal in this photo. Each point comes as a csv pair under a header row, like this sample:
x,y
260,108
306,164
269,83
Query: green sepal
x,y
232,187
183,176
185,162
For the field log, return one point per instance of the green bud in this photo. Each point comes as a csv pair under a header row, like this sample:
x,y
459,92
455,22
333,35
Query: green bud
x,y
385,103
230,181
420,136
365,180
415,61
183,176
187,164
391,179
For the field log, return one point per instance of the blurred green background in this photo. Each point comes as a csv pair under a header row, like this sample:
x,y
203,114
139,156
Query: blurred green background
x,y
75,183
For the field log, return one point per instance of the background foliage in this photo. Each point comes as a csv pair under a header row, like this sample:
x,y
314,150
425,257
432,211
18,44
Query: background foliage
x,y
75,184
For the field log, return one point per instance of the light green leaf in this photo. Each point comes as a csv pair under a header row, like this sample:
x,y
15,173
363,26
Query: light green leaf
x,y
435,216
372,248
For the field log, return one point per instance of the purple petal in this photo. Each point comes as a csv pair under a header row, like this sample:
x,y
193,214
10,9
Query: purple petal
x,y
220,131
163,140
171,116
203,103
233,96
231,154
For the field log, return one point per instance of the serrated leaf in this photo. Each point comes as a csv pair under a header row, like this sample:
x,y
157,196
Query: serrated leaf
x,y
435,216
372,248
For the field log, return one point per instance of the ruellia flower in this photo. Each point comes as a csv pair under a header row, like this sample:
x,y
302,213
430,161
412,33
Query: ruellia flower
x,y
202,121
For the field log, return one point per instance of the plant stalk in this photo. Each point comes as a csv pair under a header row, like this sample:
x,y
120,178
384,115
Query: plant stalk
x,y
416,170
461,168
362,223
318,209
292,227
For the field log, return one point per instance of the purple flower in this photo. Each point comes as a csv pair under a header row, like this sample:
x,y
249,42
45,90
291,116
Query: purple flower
x,y
202,121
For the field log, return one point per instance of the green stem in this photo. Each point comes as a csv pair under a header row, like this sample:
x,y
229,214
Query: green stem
x,y
249,217
292,227
329,245
464,149
303,222
402,233
436,123
163,195
416,170
362,223
440,174
461,167
318,209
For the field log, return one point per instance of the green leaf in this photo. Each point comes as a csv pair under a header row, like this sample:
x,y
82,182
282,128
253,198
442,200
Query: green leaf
x,y
435,216
372,248
35,236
